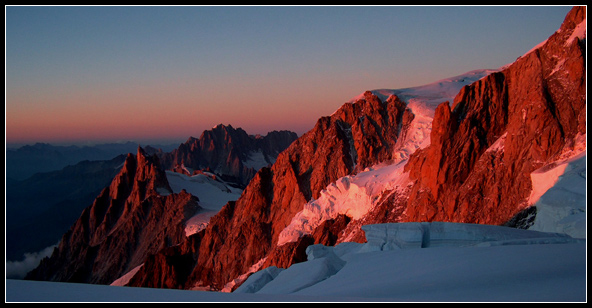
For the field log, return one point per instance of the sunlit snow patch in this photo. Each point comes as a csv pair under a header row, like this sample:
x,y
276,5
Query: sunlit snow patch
x,y
559,194
353,196
213,194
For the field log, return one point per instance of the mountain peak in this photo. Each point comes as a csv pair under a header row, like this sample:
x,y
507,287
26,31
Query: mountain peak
x,y
141,176
223,126
574,18
228,152
135,216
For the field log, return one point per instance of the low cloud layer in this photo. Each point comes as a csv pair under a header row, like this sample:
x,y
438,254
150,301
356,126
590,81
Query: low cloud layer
x,y
18,269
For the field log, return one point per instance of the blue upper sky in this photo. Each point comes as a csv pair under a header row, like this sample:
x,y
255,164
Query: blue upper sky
x,y
106,73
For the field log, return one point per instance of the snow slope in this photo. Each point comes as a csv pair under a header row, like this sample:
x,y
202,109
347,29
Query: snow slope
x,y
434,262
559,195
353,196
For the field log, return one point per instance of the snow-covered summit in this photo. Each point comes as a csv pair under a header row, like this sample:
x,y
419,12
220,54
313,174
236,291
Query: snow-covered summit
x,y
432,94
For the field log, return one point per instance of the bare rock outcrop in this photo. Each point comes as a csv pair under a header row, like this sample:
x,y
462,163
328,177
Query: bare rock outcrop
x,y
483,148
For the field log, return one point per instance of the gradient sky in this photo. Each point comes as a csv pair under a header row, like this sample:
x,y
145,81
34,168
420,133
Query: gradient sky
x,y
155,74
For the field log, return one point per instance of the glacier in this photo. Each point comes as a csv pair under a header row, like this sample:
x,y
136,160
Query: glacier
x,y
407,262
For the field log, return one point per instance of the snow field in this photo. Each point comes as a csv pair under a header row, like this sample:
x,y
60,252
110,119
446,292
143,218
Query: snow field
x,y
436,262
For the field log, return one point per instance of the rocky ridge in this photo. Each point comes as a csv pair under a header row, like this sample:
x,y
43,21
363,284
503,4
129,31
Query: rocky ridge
x,y
497,131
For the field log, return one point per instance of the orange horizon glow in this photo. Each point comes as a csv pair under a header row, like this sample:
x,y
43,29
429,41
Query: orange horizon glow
x,y
87,117
156,110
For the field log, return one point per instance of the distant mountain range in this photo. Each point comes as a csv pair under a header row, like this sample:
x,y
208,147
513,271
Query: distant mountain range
x,y
27,160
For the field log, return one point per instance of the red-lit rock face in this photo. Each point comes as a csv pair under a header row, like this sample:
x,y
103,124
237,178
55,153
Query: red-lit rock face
x,y
536,106
356,136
